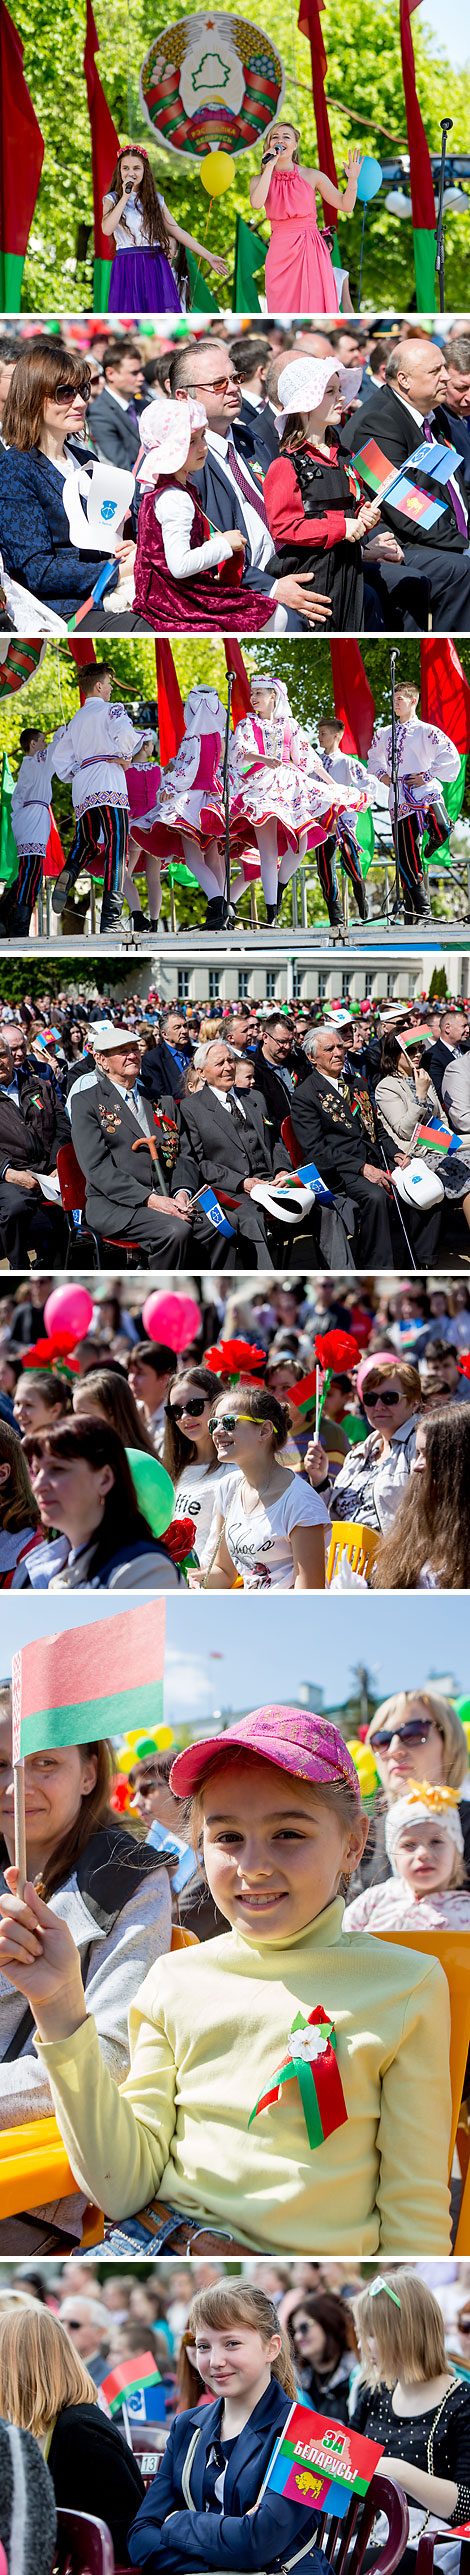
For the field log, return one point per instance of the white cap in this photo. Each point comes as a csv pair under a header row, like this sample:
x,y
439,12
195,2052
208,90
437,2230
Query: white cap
x,y
105,1035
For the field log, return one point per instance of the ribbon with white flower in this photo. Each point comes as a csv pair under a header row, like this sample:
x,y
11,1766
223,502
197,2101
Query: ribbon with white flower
x,y
310,2061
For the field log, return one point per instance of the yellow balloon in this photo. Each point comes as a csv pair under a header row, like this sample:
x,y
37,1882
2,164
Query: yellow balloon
x,y
136,1736
126,1761
163,1737
217,173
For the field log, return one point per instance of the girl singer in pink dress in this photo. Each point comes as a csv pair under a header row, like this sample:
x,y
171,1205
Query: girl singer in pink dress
x,y
299,277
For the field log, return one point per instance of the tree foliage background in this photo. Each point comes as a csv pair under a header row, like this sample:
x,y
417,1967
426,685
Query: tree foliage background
x,y
364,75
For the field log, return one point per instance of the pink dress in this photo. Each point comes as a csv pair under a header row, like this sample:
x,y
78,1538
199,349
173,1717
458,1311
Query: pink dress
x,y
185,797
299,277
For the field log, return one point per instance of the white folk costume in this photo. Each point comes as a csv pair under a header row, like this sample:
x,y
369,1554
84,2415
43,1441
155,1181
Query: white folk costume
x,y
93,754
185,818
280,791
425,760
31,817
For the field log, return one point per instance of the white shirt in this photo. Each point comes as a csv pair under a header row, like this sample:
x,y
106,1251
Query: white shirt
x,y
259,1542
81,754
422,751
32,795
175,512
225,1101
134,1102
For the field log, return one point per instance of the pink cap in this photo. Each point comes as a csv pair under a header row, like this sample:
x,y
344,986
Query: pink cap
x,y
374,1361
293,1738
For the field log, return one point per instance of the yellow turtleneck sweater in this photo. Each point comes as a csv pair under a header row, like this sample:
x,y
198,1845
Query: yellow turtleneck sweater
x,y
207,2031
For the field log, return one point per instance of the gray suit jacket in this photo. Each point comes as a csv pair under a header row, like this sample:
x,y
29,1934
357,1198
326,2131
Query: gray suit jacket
x,y
105,1131
114,432
224,1150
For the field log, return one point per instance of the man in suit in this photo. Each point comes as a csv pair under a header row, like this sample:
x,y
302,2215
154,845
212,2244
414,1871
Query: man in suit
x,y
113,417
457,400
32,1125
230,484
340,1138
227,1141
405,413
278,1066
453,1040
113,1131
164,1066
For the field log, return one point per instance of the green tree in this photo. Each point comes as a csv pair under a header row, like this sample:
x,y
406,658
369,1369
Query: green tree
x,y
364,76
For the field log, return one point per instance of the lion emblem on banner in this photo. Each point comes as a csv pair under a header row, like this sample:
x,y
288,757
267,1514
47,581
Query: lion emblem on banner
x,y
211,84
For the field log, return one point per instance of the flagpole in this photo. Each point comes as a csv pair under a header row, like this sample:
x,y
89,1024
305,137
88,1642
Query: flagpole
x,y
446,123
20,1825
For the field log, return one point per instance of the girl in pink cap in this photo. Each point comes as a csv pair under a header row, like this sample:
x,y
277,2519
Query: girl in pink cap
x,y
317,509
289,2086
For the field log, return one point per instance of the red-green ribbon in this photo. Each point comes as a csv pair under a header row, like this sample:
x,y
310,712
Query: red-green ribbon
x,y
314,2067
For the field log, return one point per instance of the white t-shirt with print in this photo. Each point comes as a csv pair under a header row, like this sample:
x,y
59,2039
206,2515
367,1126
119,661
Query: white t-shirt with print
x,y
259,1542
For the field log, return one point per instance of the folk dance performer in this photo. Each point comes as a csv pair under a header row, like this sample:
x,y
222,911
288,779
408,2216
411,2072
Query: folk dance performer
x,y
425,758
279,787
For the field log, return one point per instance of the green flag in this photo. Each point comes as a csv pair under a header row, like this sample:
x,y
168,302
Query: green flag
x,y
101,283
8,849
424,254
452,797
11,280
250,254
200,298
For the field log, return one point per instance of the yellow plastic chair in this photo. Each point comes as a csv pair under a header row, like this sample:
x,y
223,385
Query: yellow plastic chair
x,y
34,2167
353,1539
452,1948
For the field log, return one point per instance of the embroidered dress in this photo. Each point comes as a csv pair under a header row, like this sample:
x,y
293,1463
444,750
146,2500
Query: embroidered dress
x,y
187,796
294,792
141,278
421,749
299,277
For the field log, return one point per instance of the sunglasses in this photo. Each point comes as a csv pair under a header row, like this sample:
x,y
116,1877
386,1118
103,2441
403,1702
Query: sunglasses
x,y
416,1730
213,384
382,1397
145,1787
196,1406
66,393
229,1421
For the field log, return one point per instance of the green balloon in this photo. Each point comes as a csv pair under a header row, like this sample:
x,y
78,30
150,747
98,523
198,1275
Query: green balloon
x,y
153,1488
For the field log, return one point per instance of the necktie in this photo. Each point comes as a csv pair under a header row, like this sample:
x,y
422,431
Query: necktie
x,y
454,495
249,489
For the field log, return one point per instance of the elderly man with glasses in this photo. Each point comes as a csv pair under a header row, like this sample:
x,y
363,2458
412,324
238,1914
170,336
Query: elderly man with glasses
x,y
230,484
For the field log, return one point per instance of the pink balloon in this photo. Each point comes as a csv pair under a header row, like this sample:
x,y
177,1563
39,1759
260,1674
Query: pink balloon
x,y
69,1309
175,1319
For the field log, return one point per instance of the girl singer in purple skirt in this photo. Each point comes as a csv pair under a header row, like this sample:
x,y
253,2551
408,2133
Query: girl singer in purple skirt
x,y
137,219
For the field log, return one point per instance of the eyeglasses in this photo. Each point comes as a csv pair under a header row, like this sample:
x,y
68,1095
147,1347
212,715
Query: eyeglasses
x,y
382,1397
66,393
416,1730
229,1421
196,1406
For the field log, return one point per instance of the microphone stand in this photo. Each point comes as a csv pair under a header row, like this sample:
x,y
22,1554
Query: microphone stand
x,y
393,664
446,123
226,789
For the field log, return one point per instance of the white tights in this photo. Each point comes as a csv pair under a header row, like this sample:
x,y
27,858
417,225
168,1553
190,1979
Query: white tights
x,y
266,834
208,870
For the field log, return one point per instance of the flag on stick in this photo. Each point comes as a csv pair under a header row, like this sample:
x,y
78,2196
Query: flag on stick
x,y
241,686
21,159
128,2378
321,2463
90,1681
353,698
309,23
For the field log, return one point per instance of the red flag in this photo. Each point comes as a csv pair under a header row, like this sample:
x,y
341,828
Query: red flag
x,y
82,653
21,159
421,178
241,689
104,137
445,691
55,854
170,704
310,25
353,698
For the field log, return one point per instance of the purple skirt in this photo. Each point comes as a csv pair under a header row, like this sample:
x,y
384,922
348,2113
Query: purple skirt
x,y
142,282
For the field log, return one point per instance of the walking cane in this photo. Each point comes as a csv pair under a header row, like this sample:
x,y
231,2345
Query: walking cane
x,y
226,789
393,664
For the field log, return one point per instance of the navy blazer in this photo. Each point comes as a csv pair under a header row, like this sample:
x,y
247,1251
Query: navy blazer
x,y
35,538
235,2537
160,1072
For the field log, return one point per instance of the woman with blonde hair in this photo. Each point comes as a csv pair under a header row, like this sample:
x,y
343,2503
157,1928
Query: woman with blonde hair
x,y
410,2400
375,1474
45,2389
217,2455
416,1736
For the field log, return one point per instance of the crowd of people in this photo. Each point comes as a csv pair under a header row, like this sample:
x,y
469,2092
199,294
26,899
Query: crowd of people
x,y
239,477
122,1465
265,788
382,2353
337,1136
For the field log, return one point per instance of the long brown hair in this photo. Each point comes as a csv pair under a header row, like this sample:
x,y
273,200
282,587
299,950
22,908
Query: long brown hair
x,y
40,2371
432,1525
19,1510
34,382
179,1451
154,221
118,1404
232,2302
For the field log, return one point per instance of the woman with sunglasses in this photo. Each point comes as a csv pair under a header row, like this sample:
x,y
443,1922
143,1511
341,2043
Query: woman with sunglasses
x,y
190,1455
321,2329
369,1486
405,1098
44,425
416,1735
273,1528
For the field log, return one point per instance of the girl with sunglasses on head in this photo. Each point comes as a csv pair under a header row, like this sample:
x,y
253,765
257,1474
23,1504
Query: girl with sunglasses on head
x,y
45,453
191,1457
346,2153
370,1485
273,1528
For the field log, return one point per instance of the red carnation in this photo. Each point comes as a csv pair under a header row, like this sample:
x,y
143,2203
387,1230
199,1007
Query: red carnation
x,y
179,1540
235,1358
337,1351
463,1364
43,1354
119,1796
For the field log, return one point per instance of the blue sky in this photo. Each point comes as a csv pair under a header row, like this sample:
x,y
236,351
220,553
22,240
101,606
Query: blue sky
x,y
268,1647
450,24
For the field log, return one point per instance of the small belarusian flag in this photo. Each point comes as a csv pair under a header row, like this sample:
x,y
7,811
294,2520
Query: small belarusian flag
x,y
321,2463
90,1681
375,467
437,1137
128,2378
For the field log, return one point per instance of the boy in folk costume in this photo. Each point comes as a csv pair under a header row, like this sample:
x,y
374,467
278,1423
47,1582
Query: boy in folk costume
x,y
93,753
425,757
279,788
184,817
31,822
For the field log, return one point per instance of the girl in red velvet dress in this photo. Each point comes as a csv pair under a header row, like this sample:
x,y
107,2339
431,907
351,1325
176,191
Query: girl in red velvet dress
x,y
187,575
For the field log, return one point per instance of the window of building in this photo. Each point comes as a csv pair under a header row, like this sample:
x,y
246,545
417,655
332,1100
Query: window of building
x,y
243,984
183,983
297,984
271,983
214,983
346,981
368,987
322,986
